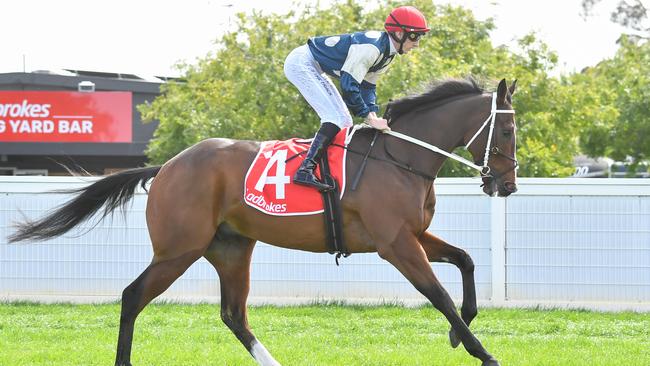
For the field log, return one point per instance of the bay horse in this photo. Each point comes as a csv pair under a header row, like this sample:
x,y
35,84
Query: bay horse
x,y
195,209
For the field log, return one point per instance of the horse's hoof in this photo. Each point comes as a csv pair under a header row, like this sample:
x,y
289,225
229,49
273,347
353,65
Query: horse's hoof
x,y
453,338
490,362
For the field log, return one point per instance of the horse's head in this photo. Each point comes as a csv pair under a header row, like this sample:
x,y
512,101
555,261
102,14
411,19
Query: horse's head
x,y
499,134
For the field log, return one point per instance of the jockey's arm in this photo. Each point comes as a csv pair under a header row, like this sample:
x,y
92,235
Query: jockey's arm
x,y
359,59
353,95
358,94
353,98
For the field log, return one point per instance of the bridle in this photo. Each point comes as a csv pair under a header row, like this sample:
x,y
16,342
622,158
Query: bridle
x,y
483,169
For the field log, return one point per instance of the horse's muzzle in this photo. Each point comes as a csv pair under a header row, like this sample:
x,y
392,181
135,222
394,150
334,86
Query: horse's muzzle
x,y
507,188
493,186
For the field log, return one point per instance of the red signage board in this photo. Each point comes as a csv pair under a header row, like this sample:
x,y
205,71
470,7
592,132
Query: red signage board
x,y
57,116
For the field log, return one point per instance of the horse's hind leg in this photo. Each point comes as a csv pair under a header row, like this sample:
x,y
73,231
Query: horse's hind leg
x,y
152,282
183,209
178,241
230,254
439,251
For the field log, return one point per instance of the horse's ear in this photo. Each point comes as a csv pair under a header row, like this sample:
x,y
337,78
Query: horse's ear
x,y
513,87
502,92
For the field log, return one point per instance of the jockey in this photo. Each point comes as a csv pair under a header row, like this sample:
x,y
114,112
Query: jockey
x,y
357,60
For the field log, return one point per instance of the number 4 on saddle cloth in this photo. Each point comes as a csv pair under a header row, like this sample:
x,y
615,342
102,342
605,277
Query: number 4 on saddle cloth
x,y
269,188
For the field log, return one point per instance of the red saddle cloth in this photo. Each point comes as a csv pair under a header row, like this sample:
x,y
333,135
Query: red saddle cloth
x,y
269,183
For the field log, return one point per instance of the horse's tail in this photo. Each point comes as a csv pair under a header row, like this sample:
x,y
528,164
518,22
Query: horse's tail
x,y
114,190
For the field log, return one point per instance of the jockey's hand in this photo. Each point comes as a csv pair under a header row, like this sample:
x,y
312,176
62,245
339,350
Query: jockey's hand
x,y
376,122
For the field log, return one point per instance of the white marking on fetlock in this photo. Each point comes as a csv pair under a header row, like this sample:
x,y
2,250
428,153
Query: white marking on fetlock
x,y
261,355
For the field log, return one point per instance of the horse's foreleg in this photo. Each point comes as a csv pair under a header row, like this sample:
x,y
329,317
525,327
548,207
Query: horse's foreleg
x,y
231,257
408,256
151,283
438,250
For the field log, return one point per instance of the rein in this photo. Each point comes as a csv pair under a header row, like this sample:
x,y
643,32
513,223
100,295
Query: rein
x,y
403,166
406,167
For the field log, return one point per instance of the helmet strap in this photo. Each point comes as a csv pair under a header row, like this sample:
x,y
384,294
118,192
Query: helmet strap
x,y
399,40
403,39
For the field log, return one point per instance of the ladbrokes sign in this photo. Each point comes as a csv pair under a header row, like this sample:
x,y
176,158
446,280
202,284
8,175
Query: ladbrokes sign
x,y
36,116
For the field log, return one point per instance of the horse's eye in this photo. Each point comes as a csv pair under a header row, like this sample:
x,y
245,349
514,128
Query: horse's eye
x,y
507,133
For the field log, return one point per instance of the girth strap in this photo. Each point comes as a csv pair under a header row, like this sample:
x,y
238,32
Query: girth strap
x,y
332,213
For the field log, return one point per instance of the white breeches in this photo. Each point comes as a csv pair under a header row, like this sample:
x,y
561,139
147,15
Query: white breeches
x,y
316,87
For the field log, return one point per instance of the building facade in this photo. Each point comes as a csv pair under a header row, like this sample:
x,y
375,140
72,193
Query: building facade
x,y
86,121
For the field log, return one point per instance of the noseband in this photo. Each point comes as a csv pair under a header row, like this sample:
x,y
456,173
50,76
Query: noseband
x,y
487,173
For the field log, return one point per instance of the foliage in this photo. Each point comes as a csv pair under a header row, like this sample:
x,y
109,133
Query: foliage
x,y
632,14
241,91
623,82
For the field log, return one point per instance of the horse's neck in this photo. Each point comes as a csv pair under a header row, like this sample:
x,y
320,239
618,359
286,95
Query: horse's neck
x,y
444,127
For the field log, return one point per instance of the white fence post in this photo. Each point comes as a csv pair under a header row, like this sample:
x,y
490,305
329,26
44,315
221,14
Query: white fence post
x,y
498,248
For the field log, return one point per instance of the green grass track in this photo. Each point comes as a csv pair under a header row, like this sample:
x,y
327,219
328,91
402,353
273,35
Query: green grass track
x,y
178,334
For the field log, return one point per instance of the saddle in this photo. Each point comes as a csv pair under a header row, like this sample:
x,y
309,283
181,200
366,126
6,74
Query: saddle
x,y
268,186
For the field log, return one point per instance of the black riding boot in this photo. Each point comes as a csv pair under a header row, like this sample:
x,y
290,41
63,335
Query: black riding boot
x,y
305,174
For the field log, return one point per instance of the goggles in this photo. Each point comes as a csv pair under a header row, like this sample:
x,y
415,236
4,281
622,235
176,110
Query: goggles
x,y
414,36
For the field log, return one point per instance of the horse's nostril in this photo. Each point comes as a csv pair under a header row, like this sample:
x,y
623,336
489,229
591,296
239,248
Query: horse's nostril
x,y
510,187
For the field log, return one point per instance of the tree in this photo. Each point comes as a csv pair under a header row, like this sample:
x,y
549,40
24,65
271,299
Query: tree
x,y
624,84
240,91
632,14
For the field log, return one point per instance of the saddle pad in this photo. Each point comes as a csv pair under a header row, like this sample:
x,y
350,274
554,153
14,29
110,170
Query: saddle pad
x,y
269,187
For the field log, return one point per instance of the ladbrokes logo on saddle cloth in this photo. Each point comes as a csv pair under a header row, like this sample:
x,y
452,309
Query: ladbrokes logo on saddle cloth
x,y
269,187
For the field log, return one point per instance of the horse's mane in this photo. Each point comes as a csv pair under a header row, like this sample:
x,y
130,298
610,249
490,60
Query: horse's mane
x,y
437,91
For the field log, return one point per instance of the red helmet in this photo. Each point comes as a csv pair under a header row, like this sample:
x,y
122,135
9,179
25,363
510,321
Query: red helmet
x,y
406,19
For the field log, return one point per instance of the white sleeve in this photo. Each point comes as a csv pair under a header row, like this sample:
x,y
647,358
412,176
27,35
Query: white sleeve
x,y
360,59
